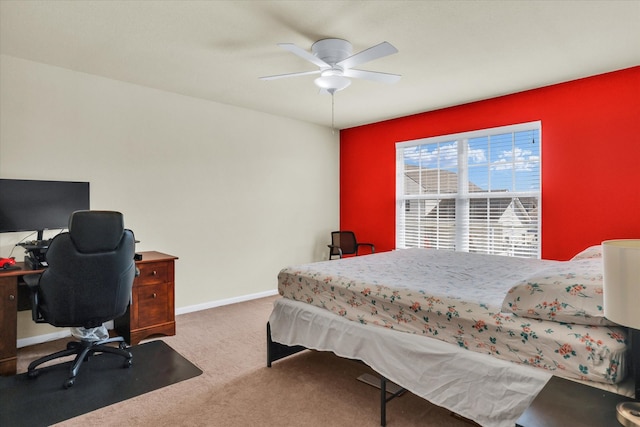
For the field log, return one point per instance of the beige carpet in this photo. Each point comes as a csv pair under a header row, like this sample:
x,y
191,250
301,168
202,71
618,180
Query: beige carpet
x,y
237,389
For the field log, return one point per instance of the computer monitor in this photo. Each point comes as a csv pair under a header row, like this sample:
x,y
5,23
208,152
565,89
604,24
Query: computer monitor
x,y
33,205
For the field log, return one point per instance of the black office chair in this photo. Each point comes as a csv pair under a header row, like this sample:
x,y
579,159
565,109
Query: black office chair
x,y
345,243
88,282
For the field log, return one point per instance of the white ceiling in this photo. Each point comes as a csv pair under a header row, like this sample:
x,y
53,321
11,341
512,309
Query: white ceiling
x,y
450,52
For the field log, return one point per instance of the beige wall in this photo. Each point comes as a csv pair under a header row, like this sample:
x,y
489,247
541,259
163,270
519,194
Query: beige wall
x,y
236,194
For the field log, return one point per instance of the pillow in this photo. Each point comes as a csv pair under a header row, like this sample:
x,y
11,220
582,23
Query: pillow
x,y
568,292
591,252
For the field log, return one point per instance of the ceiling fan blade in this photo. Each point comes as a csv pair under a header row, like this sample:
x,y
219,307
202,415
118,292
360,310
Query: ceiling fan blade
x,y
282,76
374,52
372,75
304,54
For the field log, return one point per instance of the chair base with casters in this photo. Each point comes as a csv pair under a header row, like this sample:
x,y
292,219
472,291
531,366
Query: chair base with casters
x,y
83,350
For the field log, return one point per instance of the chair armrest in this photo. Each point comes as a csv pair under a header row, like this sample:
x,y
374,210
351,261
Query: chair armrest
x,y
33,282
373,248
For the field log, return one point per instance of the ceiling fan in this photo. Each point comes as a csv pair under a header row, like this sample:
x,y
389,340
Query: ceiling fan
x,y
335,62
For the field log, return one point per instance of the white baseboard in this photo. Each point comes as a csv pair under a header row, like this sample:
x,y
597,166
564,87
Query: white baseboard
x,y
39,339
219,303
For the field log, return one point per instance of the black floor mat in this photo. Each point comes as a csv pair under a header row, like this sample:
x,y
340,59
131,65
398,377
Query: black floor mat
x,y
102,381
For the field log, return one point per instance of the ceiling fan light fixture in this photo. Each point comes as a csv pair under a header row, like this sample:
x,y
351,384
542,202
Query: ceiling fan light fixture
x,y
332,83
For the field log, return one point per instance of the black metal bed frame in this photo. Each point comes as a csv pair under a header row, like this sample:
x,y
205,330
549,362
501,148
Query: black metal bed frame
x,y
277,351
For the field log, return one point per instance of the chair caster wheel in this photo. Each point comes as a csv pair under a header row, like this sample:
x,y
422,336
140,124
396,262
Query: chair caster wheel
x,y
127,363
33,374
69,382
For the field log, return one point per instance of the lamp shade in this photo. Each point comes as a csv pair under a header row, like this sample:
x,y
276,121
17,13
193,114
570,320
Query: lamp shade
x,y
621,281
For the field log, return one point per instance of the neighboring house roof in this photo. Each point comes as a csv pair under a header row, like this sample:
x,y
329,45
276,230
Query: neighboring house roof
x,y
520,210
429,180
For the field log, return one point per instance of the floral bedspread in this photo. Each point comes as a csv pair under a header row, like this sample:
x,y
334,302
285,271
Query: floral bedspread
x,y
457,297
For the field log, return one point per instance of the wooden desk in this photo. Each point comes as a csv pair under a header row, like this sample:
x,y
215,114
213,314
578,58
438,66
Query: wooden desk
x,y
152,308
563,402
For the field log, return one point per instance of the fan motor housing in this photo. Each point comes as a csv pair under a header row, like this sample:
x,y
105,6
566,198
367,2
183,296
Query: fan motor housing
x,y
332,51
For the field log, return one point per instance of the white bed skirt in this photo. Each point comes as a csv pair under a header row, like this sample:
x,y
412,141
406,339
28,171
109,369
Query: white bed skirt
x,y
490,391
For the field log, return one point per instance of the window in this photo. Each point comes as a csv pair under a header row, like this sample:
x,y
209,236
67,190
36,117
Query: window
x,y
471,192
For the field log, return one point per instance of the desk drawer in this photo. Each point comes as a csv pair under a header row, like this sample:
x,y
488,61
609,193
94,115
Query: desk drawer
x,y
153,273
153,305
8,316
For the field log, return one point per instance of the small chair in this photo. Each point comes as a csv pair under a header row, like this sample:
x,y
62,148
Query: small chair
x,y
88,282
345,243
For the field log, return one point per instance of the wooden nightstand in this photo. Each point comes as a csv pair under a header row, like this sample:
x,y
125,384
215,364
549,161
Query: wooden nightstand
x,y
568,403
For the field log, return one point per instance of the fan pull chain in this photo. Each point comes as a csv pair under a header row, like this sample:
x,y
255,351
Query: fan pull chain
x,y
333,127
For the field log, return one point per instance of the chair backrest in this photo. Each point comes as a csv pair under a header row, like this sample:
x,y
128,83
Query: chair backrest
x,y
345,240
91,271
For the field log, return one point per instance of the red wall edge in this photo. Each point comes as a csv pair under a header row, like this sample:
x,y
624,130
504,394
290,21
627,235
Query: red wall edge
x,y
590,160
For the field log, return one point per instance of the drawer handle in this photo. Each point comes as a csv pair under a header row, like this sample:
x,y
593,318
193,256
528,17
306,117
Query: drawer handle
x,y
155,295
154,273
12,297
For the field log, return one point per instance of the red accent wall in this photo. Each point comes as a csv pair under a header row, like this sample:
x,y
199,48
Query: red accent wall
x,y
590,160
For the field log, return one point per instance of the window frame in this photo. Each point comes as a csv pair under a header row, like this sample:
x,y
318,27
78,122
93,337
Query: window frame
x,y
463,197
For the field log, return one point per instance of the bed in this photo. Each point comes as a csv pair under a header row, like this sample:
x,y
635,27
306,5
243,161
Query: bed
x,y
477,334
